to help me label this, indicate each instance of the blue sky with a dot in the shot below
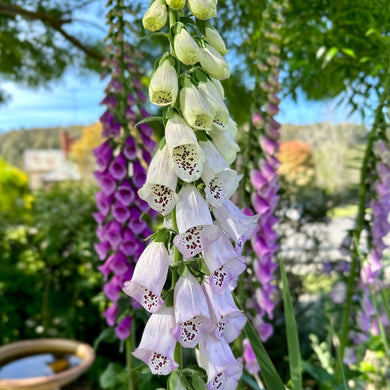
(75, 100)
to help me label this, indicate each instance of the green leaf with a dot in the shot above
(162, 235)
(294, 355)
(113, 376)
(150, 119)
(348, 52)
(163, 142)
(330, 54)
(197, 381)
(108, 335)
(268, 370)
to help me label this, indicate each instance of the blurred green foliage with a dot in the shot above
(47, 261)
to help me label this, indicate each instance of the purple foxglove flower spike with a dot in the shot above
(250, 359)
(160, 187)
(216, 357)
(122, 330)
(191, 312)
(149, 277)
(196, 228)
(187, 157)
(224, 312)
(157, 345)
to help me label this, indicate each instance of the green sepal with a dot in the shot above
(162, 143)
(201, 136)
(181, 269)
(202, 266)
(168, 298)
(200, 75)
(149, 119)
(162, 235)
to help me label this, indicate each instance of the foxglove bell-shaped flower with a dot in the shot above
(213, 37)
(187, 157)
(155, 17)
(223, 369)
(149, 277)
(221, 182)
(216, 104)
(191, 312)
(250, 359)
(157, 345)
(176, 4)
(234, 222)
(213, 63)
(224, 312)
(160, 187)
(218, 85)
(163, 88)
(186, 49)
(194, 108)
(226, 145)
(203, 9)
(223, 262)
(196, 228)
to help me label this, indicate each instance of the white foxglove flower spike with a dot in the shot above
(155, 17)
(195, 109)
(203, 9)
(176, 4)
(225, 143)
(157, 345)
(160, 187)
(213, 63)
(216, 357)
(221, 181)
(186, 49)
(216, 104)
(187, 157)
(164, 87)
(196, 228)
(213, 37)
(234, 222)
(191, 312)
(230, 320)
(149, 277)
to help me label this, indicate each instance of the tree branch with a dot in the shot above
(53, 22)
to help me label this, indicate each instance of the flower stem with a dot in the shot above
(361, 214)
(129, 357)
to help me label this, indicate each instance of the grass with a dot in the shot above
(349, 210)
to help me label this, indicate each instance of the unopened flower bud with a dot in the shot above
(274, 49)
(272, 98)
(163, 88)
(194, 108)
(273, 61)
(213, 37)
(186, 49)
(257, 120)
(203, 9)
(262, 67)
(176, 4)
(213, 63)
(155, 17)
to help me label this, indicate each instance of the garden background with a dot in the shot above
(334, 75)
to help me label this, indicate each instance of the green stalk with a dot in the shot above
(361, 215)
(129, 357)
